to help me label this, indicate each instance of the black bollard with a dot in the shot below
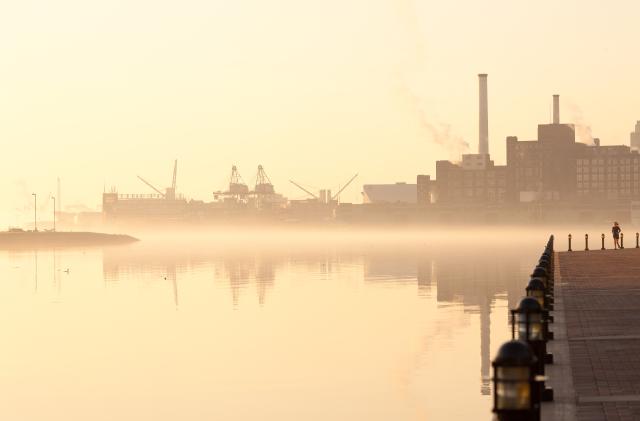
(569, 243)
(586, 242)
(602, 236)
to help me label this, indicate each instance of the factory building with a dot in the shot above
(544, 169)
(552, 168)
(476, 179)
(634, 140)
(557, 168)
(608, 172)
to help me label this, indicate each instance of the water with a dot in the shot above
(269, 327)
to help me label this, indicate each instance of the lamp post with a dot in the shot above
(548, 257)
(535, 289)
(35, 211)
(586, 242)
(602, 236)
(569, 243)
(542, 273)
(528, 325)
(515, 392)
(54, 213)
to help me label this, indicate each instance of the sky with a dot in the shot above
(97, 92)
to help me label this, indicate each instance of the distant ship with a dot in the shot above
(16, 237)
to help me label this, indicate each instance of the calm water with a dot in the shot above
(279, 327)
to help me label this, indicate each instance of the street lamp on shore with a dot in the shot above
(35, 211)
(515, 392)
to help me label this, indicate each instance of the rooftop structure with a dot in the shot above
(389, 193)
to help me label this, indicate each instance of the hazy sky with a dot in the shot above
(100, 91)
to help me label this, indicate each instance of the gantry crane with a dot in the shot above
(170, 192)
(324, 195)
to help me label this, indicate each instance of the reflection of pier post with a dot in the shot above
(426, 275)
(171, 275)
(485, 345)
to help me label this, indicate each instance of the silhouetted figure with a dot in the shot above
(615, 230)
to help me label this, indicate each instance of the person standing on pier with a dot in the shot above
(615, 230)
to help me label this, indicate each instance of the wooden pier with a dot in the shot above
(596, 374)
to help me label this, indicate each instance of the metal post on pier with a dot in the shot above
(621, 240)
(602, 236)
(569, 243)
(637, 240)
(586, 242)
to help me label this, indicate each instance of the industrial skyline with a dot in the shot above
(548, 169)
(113, 90)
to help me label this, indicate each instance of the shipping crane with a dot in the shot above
(170, 192)
(263, 184)
(152, 186)
(324, 196)
(337, 195)
(304, 190)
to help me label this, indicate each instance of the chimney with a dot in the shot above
(483, 141)
(556, 109)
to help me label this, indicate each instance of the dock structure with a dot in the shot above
(596, 374)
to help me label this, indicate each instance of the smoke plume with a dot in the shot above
(436, 132)
(583, 130)
(413, 69)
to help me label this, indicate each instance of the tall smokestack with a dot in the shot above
(556, 109)
(483, 141)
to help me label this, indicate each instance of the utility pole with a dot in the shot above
(35, 211)
(54, 213)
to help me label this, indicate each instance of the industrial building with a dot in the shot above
(475, 180)
(576, 179)
(552, 178)
(634, 137)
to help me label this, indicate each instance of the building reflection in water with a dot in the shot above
(474, 283)
(241, 271)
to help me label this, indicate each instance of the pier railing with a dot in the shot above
(519, 367)
(571, 246)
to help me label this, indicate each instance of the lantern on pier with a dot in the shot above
(543, 274)
(537, 290)
(528, 324)
(515, 392)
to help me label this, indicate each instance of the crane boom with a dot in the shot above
(175, 173)
(151, 185)
(303, 189)
(344, 187)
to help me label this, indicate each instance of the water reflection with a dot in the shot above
(474, 281)
(474, 284)
(390, 331)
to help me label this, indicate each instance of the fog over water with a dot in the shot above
(270, 325)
